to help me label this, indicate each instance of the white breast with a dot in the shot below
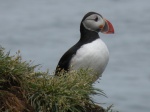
(94, 55)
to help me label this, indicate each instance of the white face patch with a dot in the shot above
(93, 22)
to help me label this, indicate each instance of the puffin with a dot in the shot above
(90, 52)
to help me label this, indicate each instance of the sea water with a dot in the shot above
(44, 29)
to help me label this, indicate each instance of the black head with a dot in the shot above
(95, 23)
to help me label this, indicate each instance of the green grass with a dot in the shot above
(22, 89)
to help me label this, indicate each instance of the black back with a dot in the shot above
(87, 36)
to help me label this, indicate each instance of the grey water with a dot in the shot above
(44, 29)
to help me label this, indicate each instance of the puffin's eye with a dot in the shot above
(96, 19)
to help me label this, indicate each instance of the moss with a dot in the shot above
(22, 89)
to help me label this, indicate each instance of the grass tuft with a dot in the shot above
(69, 92)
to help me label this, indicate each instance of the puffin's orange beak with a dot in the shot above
(107, 28)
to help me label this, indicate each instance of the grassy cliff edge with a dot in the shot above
(22, 89)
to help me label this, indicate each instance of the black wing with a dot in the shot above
(64, 62)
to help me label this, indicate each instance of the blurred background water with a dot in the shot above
(44, 29)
